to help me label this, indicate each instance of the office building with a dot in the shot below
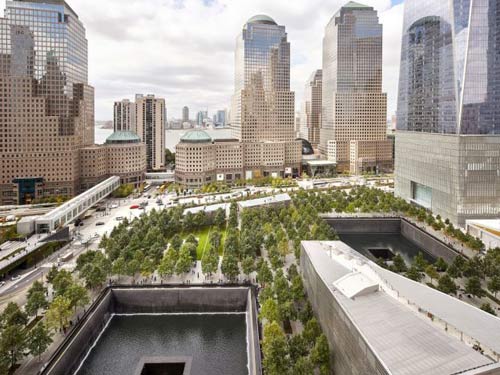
(221, 118)
(185, 114)
(150, 123)
(448, 118)
(354, 108)
(46, 104)
(380, 322)
(310, 121)
(124, 116)
(262, 116)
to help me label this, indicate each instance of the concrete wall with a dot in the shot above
(351, 354)
(154, 299)
(410, 231)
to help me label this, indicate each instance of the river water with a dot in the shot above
(172, 137)
(216, 342)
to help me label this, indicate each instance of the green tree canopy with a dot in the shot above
(39, 340)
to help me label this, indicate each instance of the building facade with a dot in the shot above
(124, 118)
(123, 155)
(150, 122)
(448, 119)
(46, 105)
(354, 108)
(310, 122)
(185, 114)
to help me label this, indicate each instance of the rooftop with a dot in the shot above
(122, 136)
(280, 198)
(263, 19)
(196, 136)
(207, 209)
(355, 5)
(393, 315)
(489, 225)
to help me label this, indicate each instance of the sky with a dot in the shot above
(183, 50)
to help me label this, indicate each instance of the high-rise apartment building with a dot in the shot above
(185, 114)
(46, 105)
(150, 123)
(124, 116)
(310, 122)
(354, 108)
(448, 119)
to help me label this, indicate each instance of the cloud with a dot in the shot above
(183, 50)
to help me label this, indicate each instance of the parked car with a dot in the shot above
(113, 206)
(134, 207)
(119, 218)
(99, 223)
(14, 278)
(2, 283)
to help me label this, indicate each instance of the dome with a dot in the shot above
(262, 18)
(196, 136)
(122, 136)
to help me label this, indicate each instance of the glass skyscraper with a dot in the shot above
(46, 105)
(354, 108)
(263, 107)
(448, 119)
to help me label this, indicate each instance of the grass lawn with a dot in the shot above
(203, 237)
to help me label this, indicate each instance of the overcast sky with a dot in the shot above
(183, 50)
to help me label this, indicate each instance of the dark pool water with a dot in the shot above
(398, 244)
(216, 342)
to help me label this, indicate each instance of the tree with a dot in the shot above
(229, 266)
(119, 267)
(447, 285)
(94, 276)
(59, 313)
(297, 288)
(264, 274)
(147, 267)
(274, 348)
(176, 242)
(133, 267)
(39, 340)
(269, 311)
(303, 366)
(487, 307)
(441, 265)
(233, 215)
(36, 300)
(248, 265)
(297, 347)
(431, 272)
(77, 295)
(399, 264)
(473, 286)
(494, 285)
(209, 261)
(312, 331)
(52, 274)
(13, 342)
(191, 248)
(320, 354)
(220, 218)
(167, 264)
(184, 262)
(13, 315)
(414, 274)
(62, 282)
(419, 262)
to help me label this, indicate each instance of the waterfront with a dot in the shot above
(172, 137)
(216, 342)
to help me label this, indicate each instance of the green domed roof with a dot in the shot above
(196, 136)
(121, 136)
(262, 18)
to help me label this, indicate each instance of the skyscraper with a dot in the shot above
(150, 122)
(221, 117)
(46, 105)
(185, 114)
(354, 108)
(263, 107)
(124, 116)
(310, 122)
(448, 119)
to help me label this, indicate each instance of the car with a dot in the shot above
(142, 208)
(144, 204)
(99, 223)
(134, 207)
(2, 283)
(14, 278)
(113, 206)
(160, 203)
(119, 218)
(100, 209)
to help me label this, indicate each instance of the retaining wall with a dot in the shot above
(155, 299)
(424, 240)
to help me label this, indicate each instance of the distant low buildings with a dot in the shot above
(487, 230)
